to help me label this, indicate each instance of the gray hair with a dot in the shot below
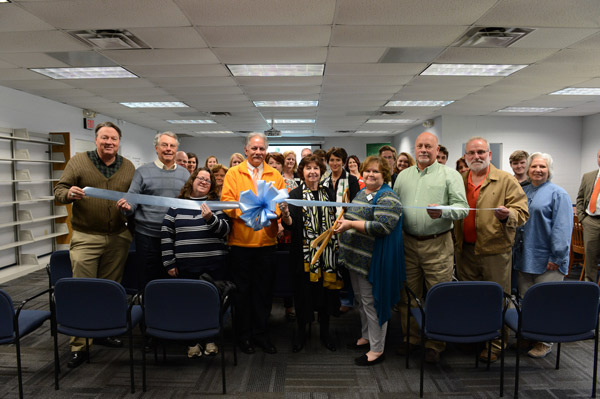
(256, 134)
(545, 157)
(487, 143)
(170, 134)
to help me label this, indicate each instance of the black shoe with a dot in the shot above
(111, 342)
(354, 345)
(267, 346)
(329, 344)
(77, 359)
(401, 349)
(364, 360)
(298, 346)
(290, 316)
(246, 347)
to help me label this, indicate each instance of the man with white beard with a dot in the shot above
(484, 239)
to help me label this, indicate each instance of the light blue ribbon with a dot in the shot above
(259, 209)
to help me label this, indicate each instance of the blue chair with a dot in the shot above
(185, 310)
(14, 325)
(93, 308)
(460, 312)
(565, 311)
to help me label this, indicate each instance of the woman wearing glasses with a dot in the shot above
(193, 241)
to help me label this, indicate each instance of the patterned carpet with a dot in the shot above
(313, 373)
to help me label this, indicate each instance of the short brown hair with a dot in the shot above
(186, 191)
(387, 148)
(517, 156)
(107, 124)
(337, 152)
(218, 167)
(384, 167)
(310, 159)
(276, 156)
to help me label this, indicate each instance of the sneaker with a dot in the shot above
(194, 351)
(539, 350)
(211, 349)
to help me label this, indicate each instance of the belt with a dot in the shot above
(430, 237)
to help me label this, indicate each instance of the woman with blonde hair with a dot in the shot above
(236, 159)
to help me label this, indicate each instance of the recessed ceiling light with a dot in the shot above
(373, 132)
(191, 121)
(269, 121)
(418, 103)
(277, 70)
(391, 121)
(471, 69)
(529, 109)
(85, 73)
(174, 104)
(216, 132)
(579, 91)
(286, 103)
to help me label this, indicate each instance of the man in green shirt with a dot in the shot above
(428, 246)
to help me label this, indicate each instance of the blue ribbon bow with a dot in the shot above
(259, 209)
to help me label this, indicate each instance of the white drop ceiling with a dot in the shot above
(191, 41)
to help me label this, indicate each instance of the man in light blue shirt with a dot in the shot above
(428, 246)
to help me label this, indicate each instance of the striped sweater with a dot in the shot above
(190, 243)
(356, 248)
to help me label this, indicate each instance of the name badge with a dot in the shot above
(369, 197)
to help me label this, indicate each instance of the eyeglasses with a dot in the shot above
(478, 152)
(203, 180)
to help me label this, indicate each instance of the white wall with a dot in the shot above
(204, 147)
(590, 143)
(558, 136)
(405, 142)
(40, 115)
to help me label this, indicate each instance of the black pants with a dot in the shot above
(253, 272)
(149, 259)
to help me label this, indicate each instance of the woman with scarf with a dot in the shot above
(371, 249)
(316, 287)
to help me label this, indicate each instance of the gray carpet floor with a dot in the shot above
(313, 373)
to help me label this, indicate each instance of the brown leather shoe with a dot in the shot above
(484, 356)
(432, 356)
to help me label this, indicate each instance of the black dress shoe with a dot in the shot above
(111, 342)
(297, 346)
(77, 359)
(329, 344)
(364, 360)
(267, 346)
(354, 345)
(246, 347)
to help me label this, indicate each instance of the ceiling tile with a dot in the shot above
(32, 60)
(166, 71)
(42, 41)
(170, 37)
(162, 56)
(258, 12)
(333, 69)
(266, 36)
(355, 54)
(108, 14)
(14, 18)
(272, 55)
(462, 55)
(395, 36)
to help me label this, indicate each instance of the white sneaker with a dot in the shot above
(211, 349)
(539, 350)
(194, 351)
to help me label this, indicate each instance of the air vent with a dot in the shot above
(219, 113)
(491, 37)
(244, 131)
(110, 39)
(345, 131)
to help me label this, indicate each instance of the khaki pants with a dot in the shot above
(591, 241)
(496, 268)
(428, 262)
(98, 256)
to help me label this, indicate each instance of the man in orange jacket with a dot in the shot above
(252, 253)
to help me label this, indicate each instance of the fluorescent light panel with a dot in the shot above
(269, 121)
(174, 104)
(191, 121)
(471, 69)
(277, 70)
(85, 73)
(391, 121)
(578, 91)
(415, 103)
(286, 103)
(529, 109)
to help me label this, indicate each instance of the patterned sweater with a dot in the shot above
(356, 248)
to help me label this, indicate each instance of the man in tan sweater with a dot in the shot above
(100, 241)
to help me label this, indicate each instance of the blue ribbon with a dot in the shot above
(259, 209)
